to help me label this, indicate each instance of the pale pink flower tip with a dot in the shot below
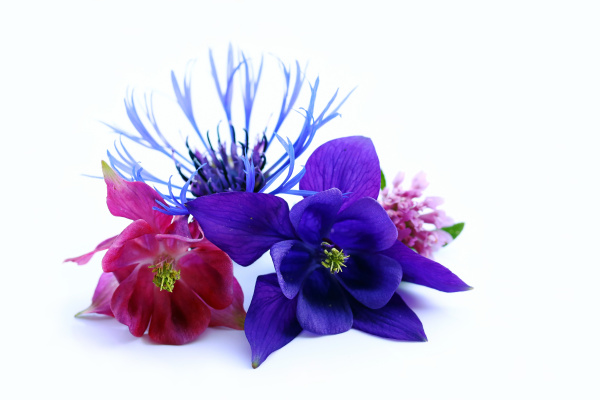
(417, 219)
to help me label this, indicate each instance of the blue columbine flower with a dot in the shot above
(235, 164)
(337, 258)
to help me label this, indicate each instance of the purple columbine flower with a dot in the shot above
(337, 258)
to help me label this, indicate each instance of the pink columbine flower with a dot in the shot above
(419, 222)
(161, 272)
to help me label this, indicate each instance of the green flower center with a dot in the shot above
(333, 259)
(164, 275)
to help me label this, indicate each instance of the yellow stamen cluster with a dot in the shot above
(165, 276)
(334, 259)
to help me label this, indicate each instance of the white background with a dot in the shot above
(496, 101)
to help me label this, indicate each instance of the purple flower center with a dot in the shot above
(224, 168)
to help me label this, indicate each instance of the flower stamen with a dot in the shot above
(165, 276)
(333, 258)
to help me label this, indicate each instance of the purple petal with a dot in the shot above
(314, 216)
(349, 164)
(364, 226)
(244, 225)
(423, 271)
(371, 278)
(322, 305)
(293, 262)
(102, 296)
(271, 320)
(394, 321)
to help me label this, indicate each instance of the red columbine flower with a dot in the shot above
(167, 275)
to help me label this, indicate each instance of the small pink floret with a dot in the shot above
(418, 220)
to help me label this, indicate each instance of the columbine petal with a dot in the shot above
(314, 216)
(244, 225)
(394, 321)
(134, 246)
(349, 164)
(133, 200)
(232, 316)
(364, 226)
(271, 320)
(208, 272)
(84, 259)
(293, 262)
(102, 295)
(423, 271)
(133, 300)
(322, 305)
(178, 317)
(371, 278)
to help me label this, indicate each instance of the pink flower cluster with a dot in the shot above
(418, 221)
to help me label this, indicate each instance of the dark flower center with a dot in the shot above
(333, 258)
(224, 167)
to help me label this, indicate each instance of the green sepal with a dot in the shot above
(383, 183)
(455, 229)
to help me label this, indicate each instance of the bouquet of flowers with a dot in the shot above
(339, 253)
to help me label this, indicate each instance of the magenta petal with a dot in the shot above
(84, 259)
(208, 271)
(423, 271)
(133, 200)
(349, 164)
(271, 321)
(102, 296)
(394, 321)
(233, 316)
(134, 246)
(179, 317)
(322, 305)
(244, 225)
(133, 300)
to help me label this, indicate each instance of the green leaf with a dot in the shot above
(455, 229)
(383, 184)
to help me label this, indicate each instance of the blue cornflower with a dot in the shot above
(233, 165)
(337, 259)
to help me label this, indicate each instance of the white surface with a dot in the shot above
(496, 101)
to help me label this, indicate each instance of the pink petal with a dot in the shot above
(419, 182)
(398, 179)
(135, 245)
(133, 200)
(84, 259)
(102, 296)
(175, 245)
(433, 201)
(133, 300)
(179, 317)
(232, 316)
(195, 230)
(209, 272)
